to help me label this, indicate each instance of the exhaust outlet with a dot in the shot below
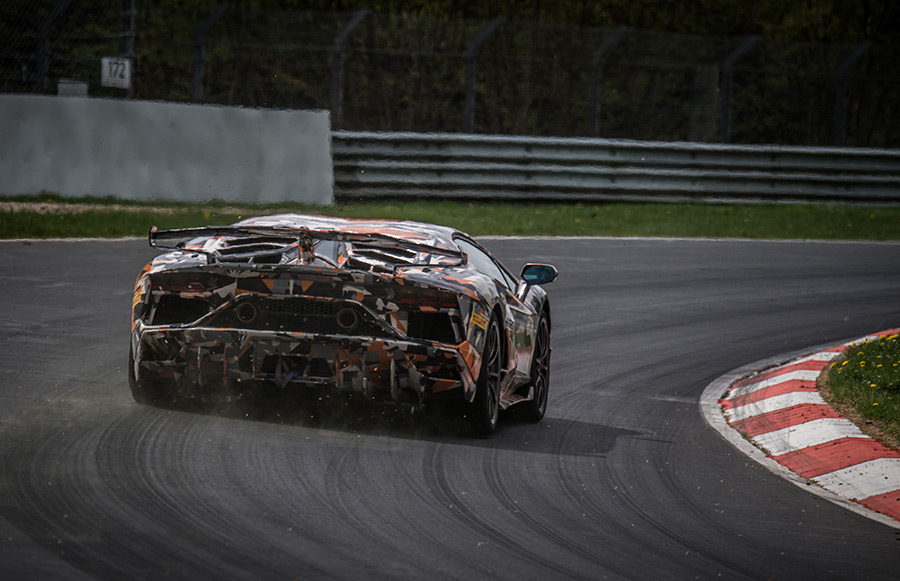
(246, 312)
(347, 319)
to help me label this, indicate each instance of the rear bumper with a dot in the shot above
(208, 362)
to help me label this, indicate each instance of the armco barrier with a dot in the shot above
(370, 165)
(147, 150)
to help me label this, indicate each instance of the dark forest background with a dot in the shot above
(803, 20)
(792, 72)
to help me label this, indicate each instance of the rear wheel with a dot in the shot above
(137, 390)
(485, 408)
(534, 409)
(147, 390)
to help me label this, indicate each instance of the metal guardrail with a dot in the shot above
(406, 165)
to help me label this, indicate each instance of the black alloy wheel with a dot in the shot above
(535, 408)
(486, 405)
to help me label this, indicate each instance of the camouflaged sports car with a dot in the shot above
(401, 311)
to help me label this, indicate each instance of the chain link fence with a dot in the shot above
(380, 72)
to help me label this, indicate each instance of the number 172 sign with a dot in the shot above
(116, 72)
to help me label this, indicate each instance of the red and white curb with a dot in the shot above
(780, 414)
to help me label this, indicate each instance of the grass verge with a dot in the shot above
(49, 215)
(864, 385)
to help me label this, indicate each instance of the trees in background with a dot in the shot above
(407, 66)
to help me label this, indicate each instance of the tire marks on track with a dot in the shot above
(543, 530)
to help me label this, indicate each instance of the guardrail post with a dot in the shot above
(597, 74)
(337, 68)
(198, 49)
(727, 67)
(840, 130)
(469, 113)
(44, 43)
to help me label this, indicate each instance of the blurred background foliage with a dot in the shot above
(804, 20)
(404, 67)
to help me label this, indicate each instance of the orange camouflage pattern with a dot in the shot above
(387, 309)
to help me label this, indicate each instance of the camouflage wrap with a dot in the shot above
(389, 310)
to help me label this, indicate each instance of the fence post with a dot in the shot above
(740, 51)
(840, 130)
(337, 68)
(597, 73)
(44, 43)
(198, 49)
(471, 50)
(128, 14)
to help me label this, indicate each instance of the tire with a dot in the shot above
(137, 393)
(146, 391)
(533, 410)
(485, 408)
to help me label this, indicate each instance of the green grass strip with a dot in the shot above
(50, 215)
(868, 380)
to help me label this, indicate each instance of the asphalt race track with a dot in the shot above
(623, 479)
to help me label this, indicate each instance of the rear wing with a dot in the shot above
(262, 240)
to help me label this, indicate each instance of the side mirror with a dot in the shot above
(539, 273)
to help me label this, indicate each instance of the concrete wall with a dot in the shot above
(143, 150)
